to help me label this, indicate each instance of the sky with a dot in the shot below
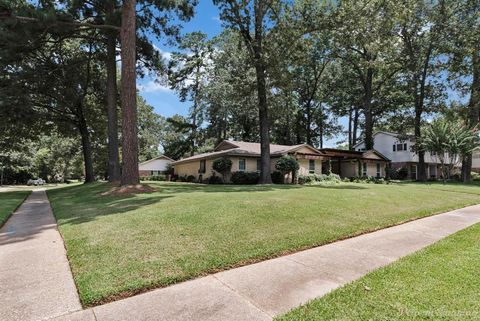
(163, 99)
(166, 102)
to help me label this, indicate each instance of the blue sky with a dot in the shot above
(165, 101)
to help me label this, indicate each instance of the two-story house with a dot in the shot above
(399, 149)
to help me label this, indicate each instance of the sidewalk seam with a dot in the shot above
(243, 297)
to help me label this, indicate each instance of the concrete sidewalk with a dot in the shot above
(263, 290)
(35, 278)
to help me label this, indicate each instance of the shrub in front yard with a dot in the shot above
(370, 180)
(475, 176)
(287, 164)
(214, 179)
(277, 177)
(191, 178)
(158, 178)
(315, 178)
(242, 178)
(223, 166)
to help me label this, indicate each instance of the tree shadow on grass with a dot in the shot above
(84, 203)
(171, 187)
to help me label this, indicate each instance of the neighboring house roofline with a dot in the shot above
(376, 152)
(380, 132)
(153, 159)
(225, 142)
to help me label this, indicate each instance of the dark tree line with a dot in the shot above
(281, 71)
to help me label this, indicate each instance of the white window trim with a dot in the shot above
(245, 162)
(311, 171)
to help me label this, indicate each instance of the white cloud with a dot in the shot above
(217, 19)
(153, 86)
(165, 54)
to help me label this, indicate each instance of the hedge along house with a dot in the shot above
(155, 166)
(245, 157)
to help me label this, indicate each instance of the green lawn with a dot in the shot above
(440, 282)
(118, 246)
(9, 201)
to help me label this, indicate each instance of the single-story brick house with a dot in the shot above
(154, 166)
(245, 156)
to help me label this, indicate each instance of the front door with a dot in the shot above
(413, 171)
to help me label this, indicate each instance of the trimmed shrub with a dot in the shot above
(242, 178)
(370, 180)
(214, 179)
(475, 176)
(287, 164)
(190, 179)
(277, 177)
(315, 178)
(157, 178)
(223, 166)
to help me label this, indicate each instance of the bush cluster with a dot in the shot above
(156, 178)
(368, 180)
(475, 176)
(214, 179)
(242, 178)
(185, 178)
(315, 178)
(397, 173)
(277, 177)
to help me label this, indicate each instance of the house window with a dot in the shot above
(379, 170)
(311, 166)
(202, 166)
(259, 164)
(394, 147)
(242, 164)
(364, 169)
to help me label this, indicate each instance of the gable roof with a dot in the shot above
(254, 148)
(238, 148)
(396, 135)
(153, 159)
(352, 154)
(368, 153)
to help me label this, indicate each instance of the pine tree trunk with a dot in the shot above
(421, 172)
(367, 109)
(308, 125)
(86, 145)
(260, 72)
(130, 174)
(355, 127)
(474, 112)
(265, 177)
(350, 119)
(113, 158)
